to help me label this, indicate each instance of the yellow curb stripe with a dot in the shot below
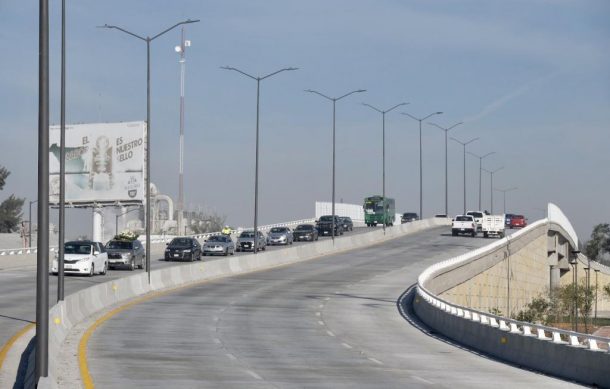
(7, 346)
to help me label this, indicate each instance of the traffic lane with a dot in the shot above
(286, 328)
(18, 287)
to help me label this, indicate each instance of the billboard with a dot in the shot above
(104, 163)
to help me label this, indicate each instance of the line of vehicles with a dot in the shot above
(475, 222)
(86, 257)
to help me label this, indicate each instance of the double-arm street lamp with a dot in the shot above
(383, 151)
(446, 130)
(421, 180)
(464, 144)
(334, 100)
(504, 191)
(148, 40)
(258, 88)
(480, 157)
(491, 185)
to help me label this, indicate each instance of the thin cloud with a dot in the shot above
(502, 101)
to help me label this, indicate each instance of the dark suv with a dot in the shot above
(408, 217)
(183, 249)
(348, 224)
(129, 254)
(325, 225)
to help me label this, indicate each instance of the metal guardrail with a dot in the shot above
(541, 332)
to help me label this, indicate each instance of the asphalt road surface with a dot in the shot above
(332, 322)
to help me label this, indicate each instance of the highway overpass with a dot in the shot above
(317, 315)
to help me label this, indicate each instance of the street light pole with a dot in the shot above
(258, 86)
(464, 144)
(421, 179)
(446, 130)
(62, 160)
(42, 257)
(181, 49)
(334, 100)
(383, 153)
(491, 185)
(504, 195)
(480, 157)
(148, 126)
(30, 224)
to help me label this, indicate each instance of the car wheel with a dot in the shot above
(105, 269)
(264, 248)
(132, 265)
(226, 252)
(91, 272)
(141, 263)
(453, 233)
(474, 234)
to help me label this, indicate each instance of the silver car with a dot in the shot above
(129, 254)
(219, 245)
(245, 242)
(280, 235)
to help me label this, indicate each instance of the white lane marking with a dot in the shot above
(330, 333)
(326, 298)
(377, 361)
(321, 306)
(320, 322)
(217, 341)
(318, 313)
(423, 380)
(346, 345)
(231, 356)
(216, 318)
(253, 374)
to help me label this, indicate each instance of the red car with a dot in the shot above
(518, 221)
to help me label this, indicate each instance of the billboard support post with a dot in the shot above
(62, 161)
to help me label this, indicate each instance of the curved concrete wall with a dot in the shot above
(441, 303)
(78, 306)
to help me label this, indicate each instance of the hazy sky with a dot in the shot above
(531, 78)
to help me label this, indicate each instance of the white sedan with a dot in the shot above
(83, 257)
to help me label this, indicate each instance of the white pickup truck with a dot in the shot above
(493, 225)
(464, 224)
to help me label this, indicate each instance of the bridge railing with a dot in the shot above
(532, 345)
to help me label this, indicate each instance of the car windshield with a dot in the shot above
(117, 244)
(77, 248)
(278, 229)
(180, 242)
(326, 219)
(304, 227)
(464, 218)
(517, 216)
(475, 214)
(247, 234)
(216, 238)
(409, 215)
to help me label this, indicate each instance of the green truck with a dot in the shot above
(378, 210)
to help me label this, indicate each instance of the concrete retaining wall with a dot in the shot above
(77, 307)
(454, 298)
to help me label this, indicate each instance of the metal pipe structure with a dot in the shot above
(148, 126)
(480, 157)
(491, 185)
(42, 257)
(62, 161)
(258, 86)
(421, 170)
(383, 151)
(446, 130)
(464, 144)
(504, 191)
(334, 100)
